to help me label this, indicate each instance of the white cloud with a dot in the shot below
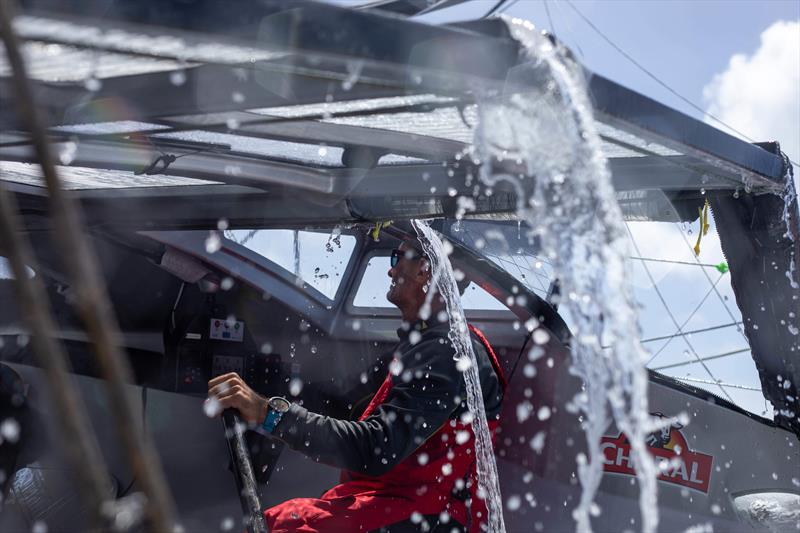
(759, 94)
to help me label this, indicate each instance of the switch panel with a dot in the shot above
(223, 364)
(226, 330)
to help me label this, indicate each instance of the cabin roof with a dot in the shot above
(296, 95)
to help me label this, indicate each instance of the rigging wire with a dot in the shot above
(549, 18)
(570, 30)
(494, 8)
(669, 312)
(672, 262)
(499, 8)
(719, 383)
(714, 286)
(654, 77)
(692, 332)
(709, 358)
(680, 331)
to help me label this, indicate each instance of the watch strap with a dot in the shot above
(273, 417)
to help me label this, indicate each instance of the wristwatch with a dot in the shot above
(276, 407)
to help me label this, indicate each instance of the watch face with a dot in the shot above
(279, 404)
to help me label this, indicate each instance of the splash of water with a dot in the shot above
(566, 195)
(791, 217)
(296, 249)
(444, 280)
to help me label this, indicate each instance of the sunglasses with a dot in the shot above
(397, 254)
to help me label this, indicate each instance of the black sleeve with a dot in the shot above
(423, 396)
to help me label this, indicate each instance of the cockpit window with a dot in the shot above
(318, 258)
(506, 244)
(374, 285)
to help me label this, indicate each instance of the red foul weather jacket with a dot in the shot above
(410, 453)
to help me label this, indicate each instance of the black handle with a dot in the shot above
(243, 472)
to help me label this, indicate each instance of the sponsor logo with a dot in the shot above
(679, 464)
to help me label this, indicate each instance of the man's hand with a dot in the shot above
(229, 390)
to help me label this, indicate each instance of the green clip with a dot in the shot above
(722, 267)
(376, 231)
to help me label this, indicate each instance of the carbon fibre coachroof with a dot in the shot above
(81, 178)
(308, 99)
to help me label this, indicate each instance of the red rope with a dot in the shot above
(492, 356)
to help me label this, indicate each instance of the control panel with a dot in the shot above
(223, 364)
(213, 346)
(226, 330)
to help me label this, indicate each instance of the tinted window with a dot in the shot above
(318, 258)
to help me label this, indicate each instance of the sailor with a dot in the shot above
(409, 459)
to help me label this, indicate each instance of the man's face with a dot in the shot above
(409, 275)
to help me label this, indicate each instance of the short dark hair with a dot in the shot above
(414, 243)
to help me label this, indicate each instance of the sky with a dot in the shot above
(737, 60)
(696, 47)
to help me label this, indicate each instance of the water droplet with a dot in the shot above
(463, 363)
(66, 154)
(93, 84)
(543, 413)
(535, 353)
(211, 407)
(177, 77)
(9, 430)
(396, 367)
(537, 442)
(462, 437)
(295, 386)
(213, 242)
(540, 336)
